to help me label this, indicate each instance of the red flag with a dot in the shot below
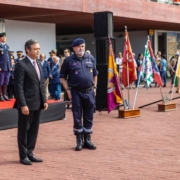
(156, 74)
(129, 64)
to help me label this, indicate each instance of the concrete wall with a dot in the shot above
(18, 32)
(138, 40)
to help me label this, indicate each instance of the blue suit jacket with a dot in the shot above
(46, 69)
(56, 74)
(5, 58)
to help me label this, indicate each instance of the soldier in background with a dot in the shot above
(51, 64)
(19, 56)
(12, 54)
(10, 89)
(5, 67)
(50, 60)
(66, 98)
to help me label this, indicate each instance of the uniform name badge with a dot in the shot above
(91, 70)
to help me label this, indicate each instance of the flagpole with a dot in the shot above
(173, 88)
(161, 91)
(127, 69)
(120, 84)
(137, 88)
(153, 77)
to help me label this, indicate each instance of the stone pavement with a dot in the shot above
(143, 148)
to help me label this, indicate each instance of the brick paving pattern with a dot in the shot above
(143, 148)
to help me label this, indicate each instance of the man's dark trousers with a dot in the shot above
(27, 125)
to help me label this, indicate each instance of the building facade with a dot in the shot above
(57, 23)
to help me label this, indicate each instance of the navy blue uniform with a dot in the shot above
(80, 73)
(5, 64)
(10, 89)
(17, 60)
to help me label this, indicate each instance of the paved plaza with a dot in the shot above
(143, 148)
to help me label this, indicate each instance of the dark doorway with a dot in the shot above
(162, 42)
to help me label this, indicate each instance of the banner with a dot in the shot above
(114, 97)
(129, 65)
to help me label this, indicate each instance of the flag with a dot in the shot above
(147, 71)
(156, 73)
(114, 97)
(128, 62)
(178, 68)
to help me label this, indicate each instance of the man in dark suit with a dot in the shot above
(30, 99)
(46, 72)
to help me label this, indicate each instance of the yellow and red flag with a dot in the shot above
(178, 68)
(129, 64)
(114, 97)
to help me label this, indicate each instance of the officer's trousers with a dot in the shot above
(83, 105)
(4, 78)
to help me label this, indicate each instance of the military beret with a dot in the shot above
(19, 52)
(77, 42)
(2, 34)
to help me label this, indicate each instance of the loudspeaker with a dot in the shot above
(102, 50)
(101, 92)
(103, 24)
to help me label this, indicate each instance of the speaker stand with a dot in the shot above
(163, 107)
(129, 113)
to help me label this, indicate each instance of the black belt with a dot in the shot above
(83, 90)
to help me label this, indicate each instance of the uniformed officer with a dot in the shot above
(5, 67)
(81, 88)
(12, 54)
(19, 56)
(51, 64)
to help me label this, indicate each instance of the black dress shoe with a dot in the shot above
(34, 159)
(25, 161)
(6, 98)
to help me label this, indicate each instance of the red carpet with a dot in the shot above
(10, 104)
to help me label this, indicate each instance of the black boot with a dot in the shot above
(4, 93)
(87, 142)
(79, 142)
(1, 97)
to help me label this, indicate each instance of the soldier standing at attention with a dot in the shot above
(19, 56)
(81, 89)
(5, 67)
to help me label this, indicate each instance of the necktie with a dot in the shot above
(37, 69)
